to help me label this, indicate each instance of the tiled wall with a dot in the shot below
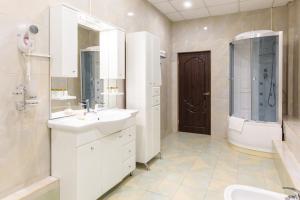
(293, 58)
(188, 36)
(24, 136)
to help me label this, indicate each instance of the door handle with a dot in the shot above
(206, 94)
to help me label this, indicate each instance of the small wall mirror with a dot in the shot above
(100, 79)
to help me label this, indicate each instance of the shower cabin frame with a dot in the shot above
(248, 133)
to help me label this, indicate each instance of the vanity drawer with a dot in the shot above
(155, 91)
(155, 100)
(129, 166)
(128, 135)
(128, 150)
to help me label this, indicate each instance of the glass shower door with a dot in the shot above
(240, 71)
(264, 74)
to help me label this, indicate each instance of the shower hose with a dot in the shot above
(272, 90)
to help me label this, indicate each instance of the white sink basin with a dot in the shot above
(241, 192)
(108, 121)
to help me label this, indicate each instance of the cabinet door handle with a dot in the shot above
(92, 148)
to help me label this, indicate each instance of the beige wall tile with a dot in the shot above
(24, 136)
(293, 58)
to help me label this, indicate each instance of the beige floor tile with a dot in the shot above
(196, 167)
(196, 181)
(189, 193)
(175, 177)
(214, 195)
(143, 181)
(125, 194)
(220, 184)
(225, 174)
(166, 188)
(153, 196)
(229, 166)
(201, 164)
(251, 179)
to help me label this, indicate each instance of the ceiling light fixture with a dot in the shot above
(187, 4)
(130, 14)
(205, 28)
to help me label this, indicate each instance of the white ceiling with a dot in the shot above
(175, 10)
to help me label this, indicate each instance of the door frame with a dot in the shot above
(178, 86)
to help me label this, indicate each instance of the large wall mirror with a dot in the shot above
(97, 80)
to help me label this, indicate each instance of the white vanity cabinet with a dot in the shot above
(63, 41)
(88, 173)
(111, 154)
(89, 163)
(112, 54)
(118, 157)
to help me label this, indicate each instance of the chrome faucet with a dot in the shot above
(86, 105)
(295, 196)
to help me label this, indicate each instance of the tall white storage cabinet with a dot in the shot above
(143, 81)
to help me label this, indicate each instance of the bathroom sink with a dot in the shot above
(108, 121)
(241, 192)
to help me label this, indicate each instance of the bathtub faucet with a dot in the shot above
(295, 196)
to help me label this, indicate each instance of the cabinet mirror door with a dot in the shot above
(88, 63)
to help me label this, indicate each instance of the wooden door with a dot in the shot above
(194, 92)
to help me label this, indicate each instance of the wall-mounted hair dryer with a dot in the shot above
(26, 42)
(26, 45)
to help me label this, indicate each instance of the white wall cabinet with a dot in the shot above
(90, 163)
(63, 41)
(143, 81)
(64, 46)
(112, 54)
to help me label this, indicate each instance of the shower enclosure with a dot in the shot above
(91, 84)
(255, 90)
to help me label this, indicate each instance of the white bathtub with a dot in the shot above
(256, 136)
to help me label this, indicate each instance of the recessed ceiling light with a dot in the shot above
(205, 28)
(187, 4)
(130, 14)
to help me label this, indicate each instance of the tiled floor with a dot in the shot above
(196, 167)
